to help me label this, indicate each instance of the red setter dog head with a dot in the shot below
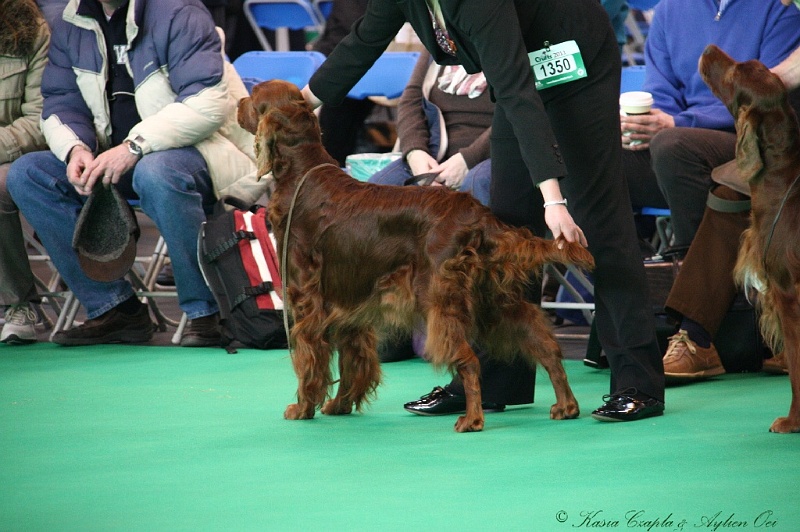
(765, 122)
(278, 116)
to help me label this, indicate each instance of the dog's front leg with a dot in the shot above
(311, 355)
(791, 350)
(310, 361)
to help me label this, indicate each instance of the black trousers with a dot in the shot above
(585, 118)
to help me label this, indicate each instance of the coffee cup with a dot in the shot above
(635, 103)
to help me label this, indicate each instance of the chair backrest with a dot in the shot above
(295, 67)
(632, 78)
(324, 7)
(281, 15)
(388, 76)
(642, 5)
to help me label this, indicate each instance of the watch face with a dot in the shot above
(134, 148)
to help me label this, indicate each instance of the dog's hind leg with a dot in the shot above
(540, 346)
(789, 313)
(446, 344)
(359, 371)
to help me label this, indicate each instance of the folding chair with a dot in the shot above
(632, 78)
(295, 67)
(50, 288)
(388, 77)
(662, 238)
(324, 7)
(281, 16)
(637, 25)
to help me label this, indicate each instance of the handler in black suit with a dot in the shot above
(556, 127)
(341, 124)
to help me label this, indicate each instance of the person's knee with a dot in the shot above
(15, 179)
(665, 143)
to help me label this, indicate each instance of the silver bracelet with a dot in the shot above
(556, 202)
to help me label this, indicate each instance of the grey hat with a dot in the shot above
(105, 235)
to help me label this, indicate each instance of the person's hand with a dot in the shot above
(108, 168)
(556, 216)
(420, 162)
(79, 159)
(309, 97)
(638, 130)
(560, 223)
(451, 172)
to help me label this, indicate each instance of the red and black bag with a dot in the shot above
(236, 251)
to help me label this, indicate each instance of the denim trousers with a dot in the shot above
(476, 182)
(174, 189)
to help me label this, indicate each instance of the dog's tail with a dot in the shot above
(529, 253)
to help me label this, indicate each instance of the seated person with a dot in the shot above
(443, 125)
(153, 113)
(24, 39)
(703, 292)
(670, 152)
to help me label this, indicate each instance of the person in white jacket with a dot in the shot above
(24, 39)
(137, 93)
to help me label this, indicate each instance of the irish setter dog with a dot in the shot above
(768, 158)
(364, 259)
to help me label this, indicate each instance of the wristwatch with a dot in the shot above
(134, 148)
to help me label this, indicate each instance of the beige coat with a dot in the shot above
(20, 95)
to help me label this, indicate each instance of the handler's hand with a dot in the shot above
(309, 97)
(560, 222)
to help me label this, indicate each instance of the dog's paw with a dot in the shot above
(294, 411)
(336, 407)
(784, 425)
(568, 411)
(469, 425)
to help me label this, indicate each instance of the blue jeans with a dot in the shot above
(174, 188)
(476, 182)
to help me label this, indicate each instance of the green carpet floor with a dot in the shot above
(159, 438)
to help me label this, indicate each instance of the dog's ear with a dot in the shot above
(247, 115)
(748, 152)
(265, 145)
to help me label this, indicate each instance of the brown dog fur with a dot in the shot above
(768, 157)
(364, 258)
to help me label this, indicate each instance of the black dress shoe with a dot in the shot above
(628, 406)
(440, 402)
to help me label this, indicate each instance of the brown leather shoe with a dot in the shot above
(202, 332)
(686, 361)
(113, 327)
(775, 365)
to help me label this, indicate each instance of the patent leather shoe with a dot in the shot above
(628, 406)
(441, 402)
